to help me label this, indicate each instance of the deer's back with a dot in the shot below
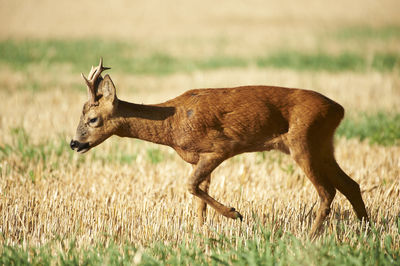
(241, 119)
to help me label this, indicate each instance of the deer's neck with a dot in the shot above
(147, 122)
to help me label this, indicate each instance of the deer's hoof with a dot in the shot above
(235, 214)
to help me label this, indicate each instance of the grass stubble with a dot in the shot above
(128, 194)
(65, 199)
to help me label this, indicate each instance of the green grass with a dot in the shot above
(385, 61)
(127, 57)
(379, 128)
(155, 156)
(265, 248)
(318, 61)
(362, 32)
(117, 154)
(46, 53)
(27, 153)
(56, 153)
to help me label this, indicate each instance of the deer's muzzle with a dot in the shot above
(80, 147)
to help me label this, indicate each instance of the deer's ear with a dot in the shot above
(107, 89)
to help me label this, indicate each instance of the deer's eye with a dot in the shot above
(93, 120)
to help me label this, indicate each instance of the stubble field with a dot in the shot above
(125, 201)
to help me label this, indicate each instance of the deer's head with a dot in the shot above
(97, 121)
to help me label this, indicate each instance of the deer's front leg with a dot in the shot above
(202, 205)
(201, 172)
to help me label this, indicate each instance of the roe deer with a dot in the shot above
(207, 126)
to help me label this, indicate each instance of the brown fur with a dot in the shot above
(208, 126)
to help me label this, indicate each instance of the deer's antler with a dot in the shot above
(94, 74)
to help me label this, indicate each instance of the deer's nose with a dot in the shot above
(73, 144)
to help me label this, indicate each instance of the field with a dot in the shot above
(125, 202)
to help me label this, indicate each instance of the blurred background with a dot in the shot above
(158, 49)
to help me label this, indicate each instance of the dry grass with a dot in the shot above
(142, 202)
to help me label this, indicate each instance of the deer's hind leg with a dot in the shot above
(348, 187)
(316, 158)
(309, 161)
